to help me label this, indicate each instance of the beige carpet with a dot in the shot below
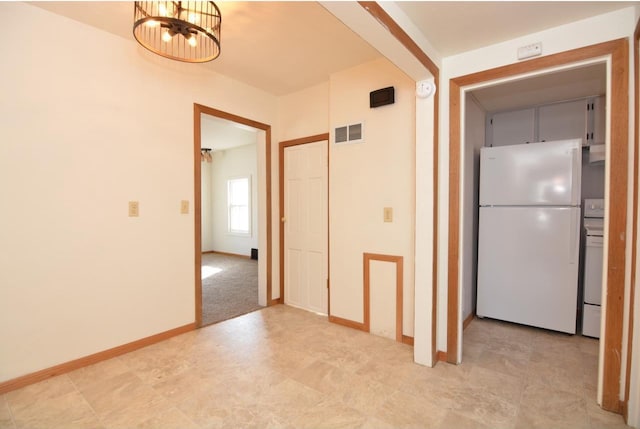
(229, 287)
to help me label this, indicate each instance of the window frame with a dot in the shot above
(230, 206)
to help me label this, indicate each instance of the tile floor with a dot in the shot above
(286, 368)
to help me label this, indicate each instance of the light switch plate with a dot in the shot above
(184, 207)
(134, 209)
(388, 214)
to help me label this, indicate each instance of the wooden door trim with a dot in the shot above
(634, 217)
(281, 147)
(199, 109)
(398, 260)
(618, 51)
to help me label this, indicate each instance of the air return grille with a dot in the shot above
(353, 133)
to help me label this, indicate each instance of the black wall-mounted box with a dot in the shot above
(382, 97)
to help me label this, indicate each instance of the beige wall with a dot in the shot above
(304, 113)
(364, 178)
(230, 164)
(88, 122)
(474, 129)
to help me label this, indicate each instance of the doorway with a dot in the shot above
(304, 231)
(616, 54)
(263, 213)
(229, 213)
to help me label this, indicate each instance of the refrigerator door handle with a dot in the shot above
(574, 237)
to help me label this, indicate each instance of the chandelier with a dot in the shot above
(180, 30)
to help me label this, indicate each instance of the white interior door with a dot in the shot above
(305, 226)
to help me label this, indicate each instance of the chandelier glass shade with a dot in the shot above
(180, 30)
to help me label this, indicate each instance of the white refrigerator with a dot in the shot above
(529, 234)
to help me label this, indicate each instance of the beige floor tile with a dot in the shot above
(471, 351)
(289, 396)
(453, 420)
(213, 410)
(323, 377)
(477, 403)
(364, 395)
(6, 421)
(403, 410)
(68, 411)
(124, 401)
(169, 419)
(329, 414)
(287, 360)
(601, 419)
(544, 407)
(286, 368)
(390, 375)
(184, 385)
(133, 417)
(156, 363)
(504, 386)
(98, 373)
(590, 346)
(39, 392)
(439, 386)
(514, 365)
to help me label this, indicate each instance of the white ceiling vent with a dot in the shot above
(353, 133)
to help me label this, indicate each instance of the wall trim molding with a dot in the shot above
(348, 323)
(442, 356)
(408, 340)
(634, 220)
(468, 320)
(398, 260)
(215, 252)
(34, 377)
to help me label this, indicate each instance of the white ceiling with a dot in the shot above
(548, 88)
(279, 47)
(453, 27)
(219, 134)
(283, 47)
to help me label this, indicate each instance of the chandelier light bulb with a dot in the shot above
(192, 41)
(166, 36)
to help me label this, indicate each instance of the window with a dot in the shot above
(239, 205)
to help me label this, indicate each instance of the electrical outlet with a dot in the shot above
(184, 207)
(134, 209)
(388, 214)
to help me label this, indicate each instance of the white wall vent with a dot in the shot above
(353, 133)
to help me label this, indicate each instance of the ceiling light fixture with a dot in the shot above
(180, 30)
(205, 155)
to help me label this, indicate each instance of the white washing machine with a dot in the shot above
(594, 227)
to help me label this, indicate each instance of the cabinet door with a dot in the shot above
(562, 121)
(598, 120)
(515, 127)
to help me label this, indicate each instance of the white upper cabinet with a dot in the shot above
(514, 127)
(561, 121)
(583, 119)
